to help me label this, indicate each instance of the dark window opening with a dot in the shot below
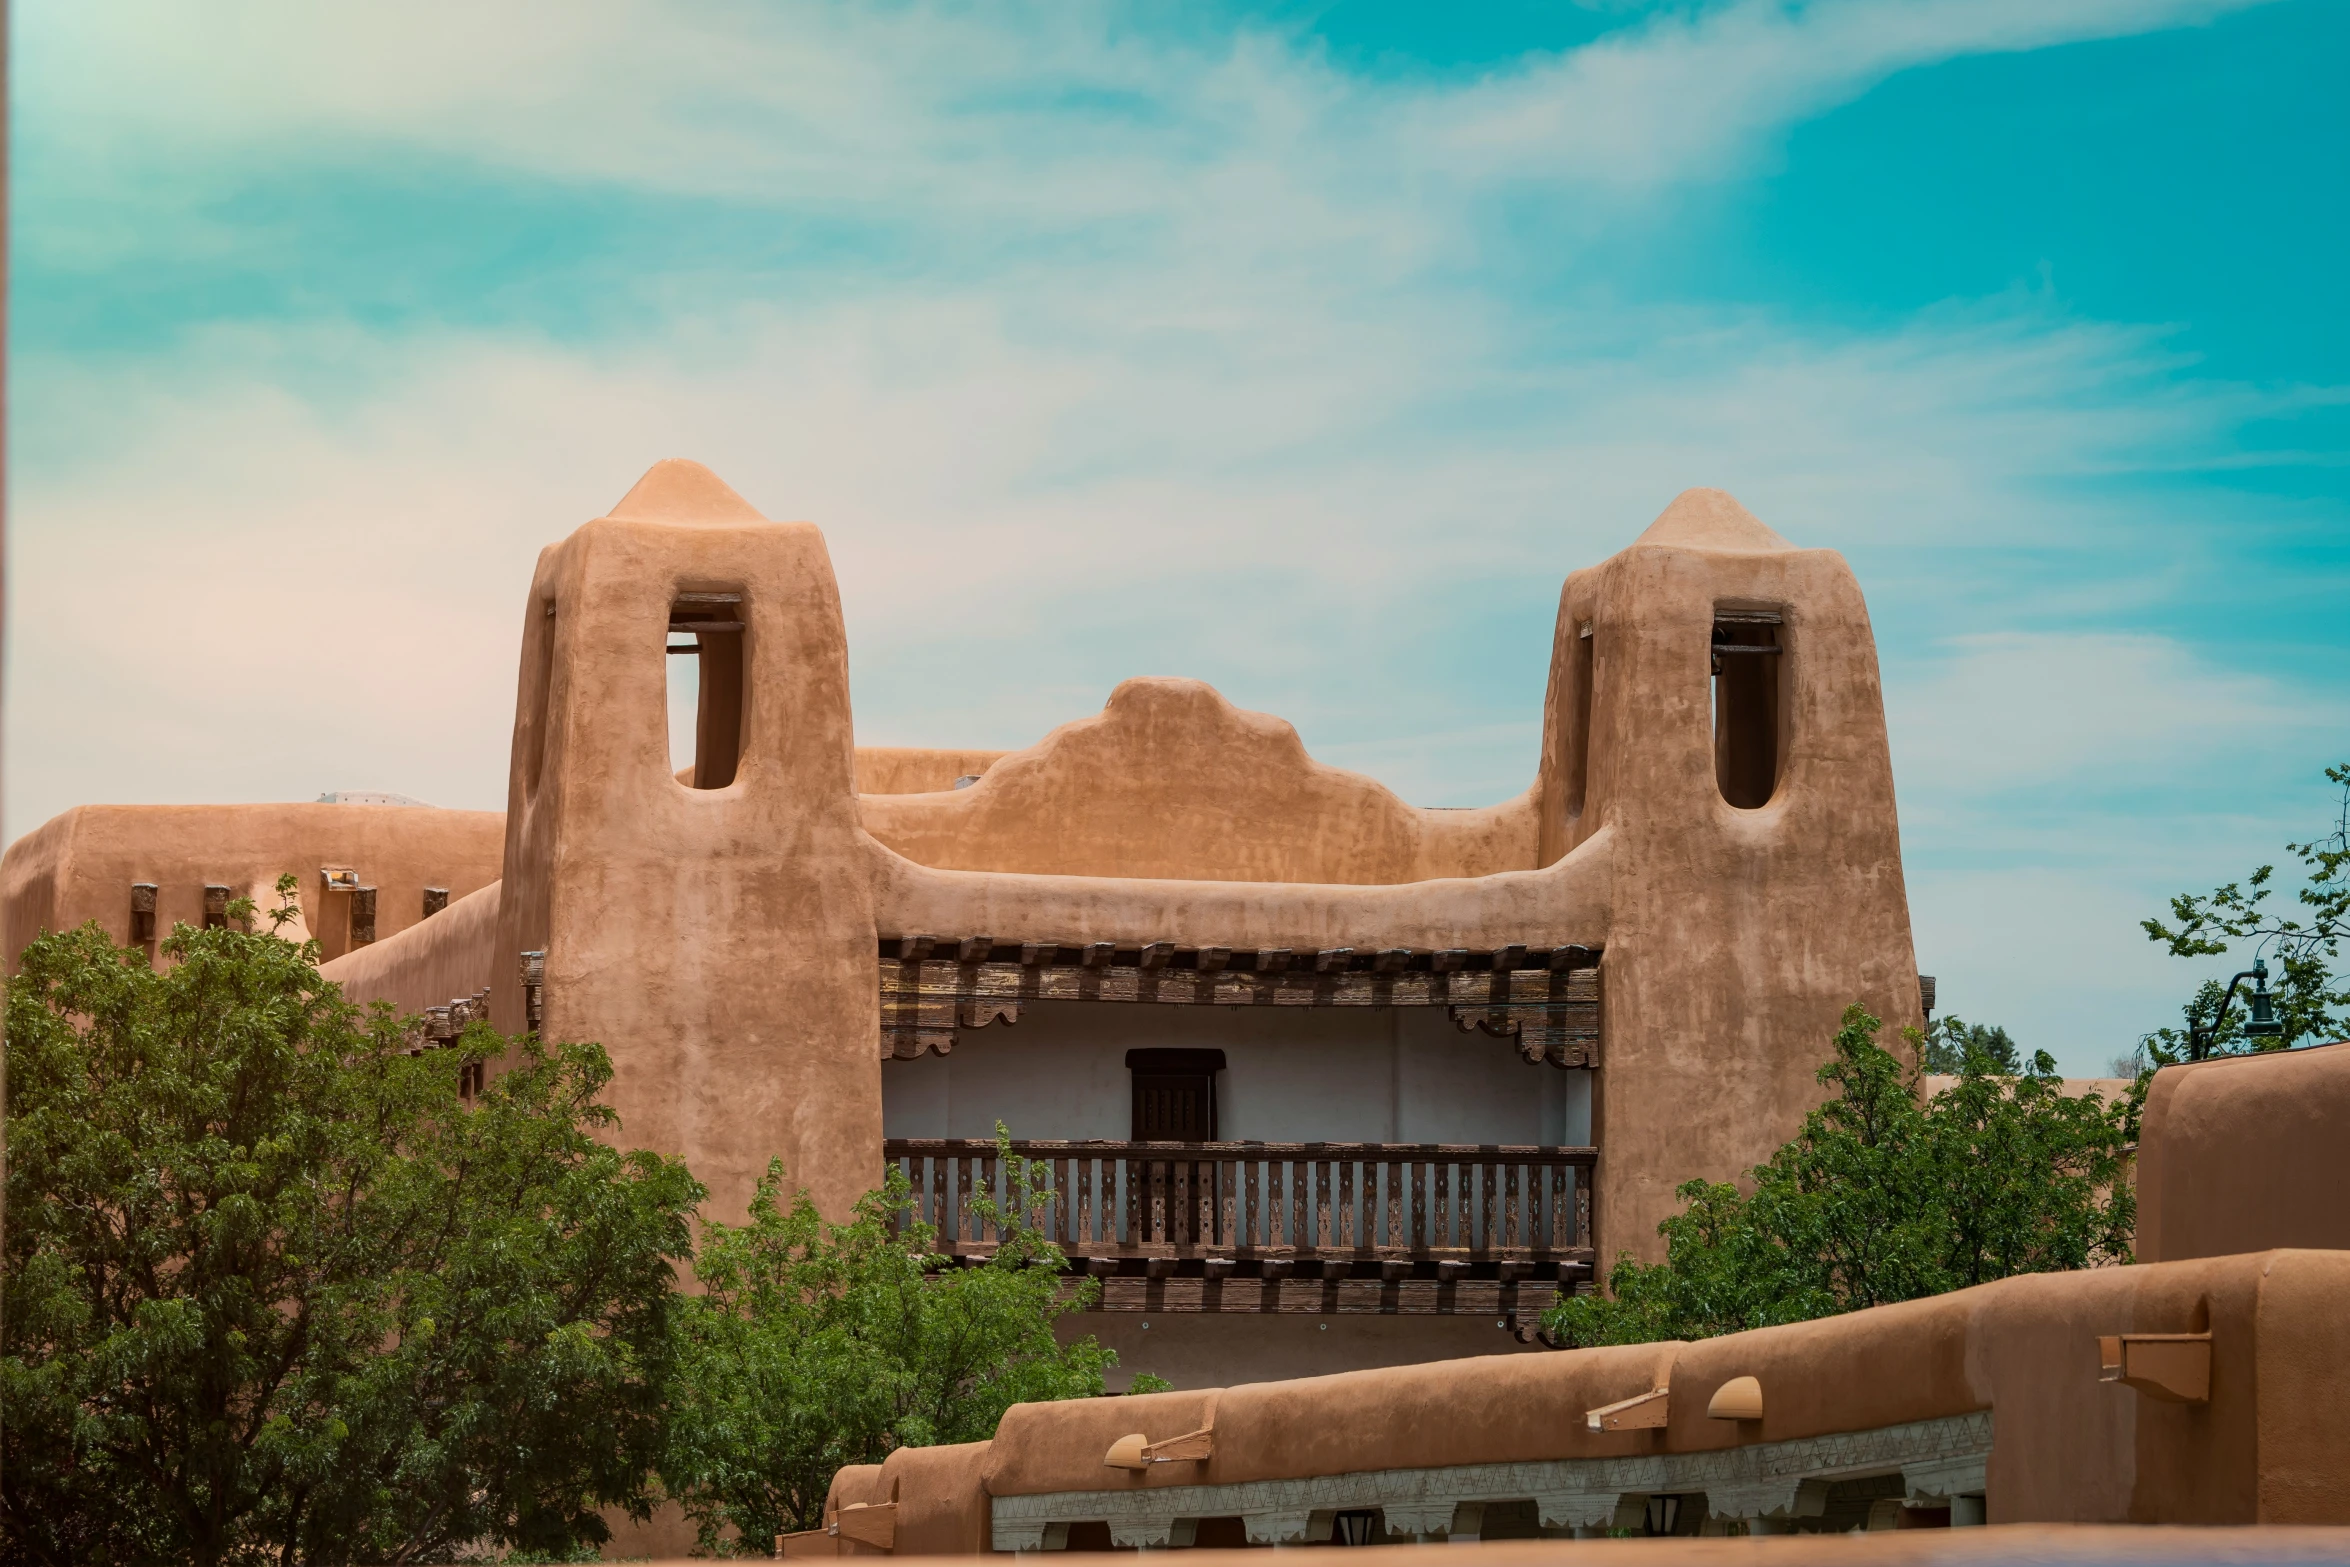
(1665, 1516)
(435, 900)
(1220, 1534)
(1849, 1505)
(215, 906)
(469, 1081)
(1519, 1520)
(1748, 666)
(542, 682)
(1175, 1094)
(706, 677)
(1090, 1534)
(143, 917)
(1579, 773)
(1356, 1526)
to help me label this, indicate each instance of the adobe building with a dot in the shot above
(1324, 1083)
(1322, 1079)
(2209, 1383)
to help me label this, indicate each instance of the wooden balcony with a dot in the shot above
(1338, 1227)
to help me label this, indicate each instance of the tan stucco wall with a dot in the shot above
(2246, 1153)
(1217, 1349)
(908, 769)
(719, 942)
(1171, 781)
(80, 865)
(2272, 1445)
(455, 953)
(1735, 937)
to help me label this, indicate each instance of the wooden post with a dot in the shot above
(1252, 1232)
(1465, 1231)
(1322, 1205)
(1419, 1235)
(1226, 1176)
(1395, 1230)
(1346, 1204)
(1064, 1215)
(1489, 1179)
(962, 1198)
(1300, 1238)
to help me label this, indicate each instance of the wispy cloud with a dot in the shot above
(1698, 94)
(1124, 346)
(1001, 122)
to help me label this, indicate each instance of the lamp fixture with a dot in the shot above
(2262, 1024)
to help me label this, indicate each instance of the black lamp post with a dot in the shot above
(2262, 1024)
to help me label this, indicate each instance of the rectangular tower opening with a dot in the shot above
(1579, 769)
(707, 692)
(1748, 665)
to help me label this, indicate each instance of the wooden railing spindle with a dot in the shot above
(1328, 1201)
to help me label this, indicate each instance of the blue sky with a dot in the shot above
(1303, 349)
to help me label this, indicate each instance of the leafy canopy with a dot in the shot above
(814, 1346)
(2311, 1003)
(274, 1290)
(1945, 1046)
(1881, 1198)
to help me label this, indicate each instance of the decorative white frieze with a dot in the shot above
(1937, 1459)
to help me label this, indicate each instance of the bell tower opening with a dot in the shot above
(707, 694)
(1579, 768)
(1748, 663)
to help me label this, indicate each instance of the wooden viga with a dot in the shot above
(1544, 1000)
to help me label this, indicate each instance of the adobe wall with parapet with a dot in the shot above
(2246, 1153)
(1172, 782)
(2020, 1393)
(82, 865)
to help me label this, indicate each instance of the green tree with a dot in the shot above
(1947, 1046)
(816, 1345)
(275, 1290)
(2311, 1003)
(1881, 1198)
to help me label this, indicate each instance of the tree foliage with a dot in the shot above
(2312, 1004)
(1946, 1045)
(816, 1345)
(275, 1290)
(1881, 1198)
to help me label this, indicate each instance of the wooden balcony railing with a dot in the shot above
(1275, 1210)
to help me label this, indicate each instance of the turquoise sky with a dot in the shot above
(1302, 349)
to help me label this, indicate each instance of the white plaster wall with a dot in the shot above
(1338, 1074)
